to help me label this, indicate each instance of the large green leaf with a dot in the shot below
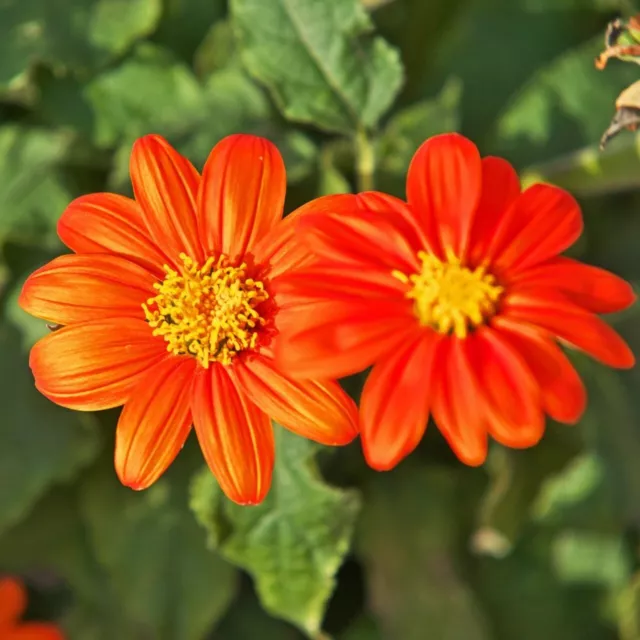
(78, 34)
(41, 443)
(32, 195)
(318, 60)
(407, 540)
(155, 553)
(294, 542)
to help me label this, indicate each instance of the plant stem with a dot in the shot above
(366, 162)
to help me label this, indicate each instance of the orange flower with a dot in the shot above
(13, 602)
(168, 307)
(457, 298)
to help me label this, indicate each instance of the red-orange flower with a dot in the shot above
(169, 308)
(457, 298)
(13, 603)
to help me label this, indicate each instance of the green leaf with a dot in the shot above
(41, 442)
(590, 171)
(319, 60)
(364, 628)
(184, 24)
(54, 538)
(610, 428)
(155, 554)
(564, 106)
(408, 129)
(526, 599)
(294, 542)
(592, 558)
(32, 194)
(75, 34)
(516, 479)
(407, 541)
(149, 92)
(629, 610)
(331, 179)
(247, 619)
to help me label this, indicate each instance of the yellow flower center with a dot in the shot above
(209, 312)
(450, 297)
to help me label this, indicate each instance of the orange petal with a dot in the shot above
(568, 322)
(242, 193)
(563, 394)
(80, 288)
(343, 282)
(400, 213)
(282, 249)
(592, 288)
(328, 339)
(235, 436)
(542, 223)
(365, 238)
(34, 631)
(95, 365)
(155, 422)
(500, 189)
(109, 223)
(511, 390)
(315, 409)
(444, 183)
(166, 186)
(395, 402)
(13, 601)
(458, 406)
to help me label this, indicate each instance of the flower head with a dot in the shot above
(458, 298)
(168, 307)
(13, 603)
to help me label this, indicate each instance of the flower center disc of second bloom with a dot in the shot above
(450, 297)
(209, 312)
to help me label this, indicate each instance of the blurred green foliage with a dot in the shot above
(542, 543)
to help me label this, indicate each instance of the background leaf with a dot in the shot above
(293, 543)
(321, 67)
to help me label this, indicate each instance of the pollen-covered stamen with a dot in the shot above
(209, 312)
(449, 296)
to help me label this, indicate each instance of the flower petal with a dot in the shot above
(236, 436)
(395, 402)
(582, 330)
(542, 223)
(500, 189)
(592, 288)
(444, 183)
(166, 186)
(364, 238)
(563, 394)
(242, 193)
(281, 248)
(95, 365)
(316, 409)
(109, 223)
(34, 631)
(340, 282)
(458, 406)
(402, 215)
(511, 390)
(79, 288)
(155, 422)
(327, 339)
(13, 601)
